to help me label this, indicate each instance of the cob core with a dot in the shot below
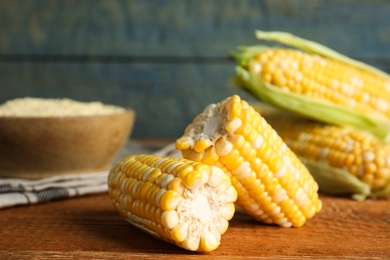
(273, 185)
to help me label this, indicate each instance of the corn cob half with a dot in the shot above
(343, 160)
(273, 186)
(180, 201)
(317, 82)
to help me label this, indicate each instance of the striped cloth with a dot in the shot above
(17, 192)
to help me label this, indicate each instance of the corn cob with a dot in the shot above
(273, 186)
(317, 82)
(180, 201)
(342, 160)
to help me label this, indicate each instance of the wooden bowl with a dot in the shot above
(37, 147)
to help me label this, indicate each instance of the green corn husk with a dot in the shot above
(321, 110)
(336, 181)
(331, 180)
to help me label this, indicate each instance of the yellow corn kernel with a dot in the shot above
(211, 155)
(177, 200)
(202, 145)
(256, 159)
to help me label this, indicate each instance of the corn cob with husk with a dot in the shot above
(312, 80)
(272, 184)
(179, 201)
(342, 160)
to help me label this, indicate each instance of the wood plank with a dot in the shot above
(89, 227)
(186, 28)
(111, 51)
(166, 96)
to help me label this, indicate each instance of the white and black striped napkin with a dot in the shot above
(15, 192)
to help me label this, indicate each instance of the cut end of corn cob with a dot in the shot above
(342, 160)
(273, 186)
(180, 201)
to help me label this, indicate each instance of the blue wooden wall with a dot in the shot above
(166, 59)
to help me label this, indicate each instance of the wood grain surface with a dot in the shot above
(168, 59)
(90, 228)
(165, 96)
(186, 28)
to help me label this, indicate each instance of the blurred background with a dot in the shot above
(166, 59)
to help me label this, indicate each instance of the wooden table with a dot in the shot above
(89, 228)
